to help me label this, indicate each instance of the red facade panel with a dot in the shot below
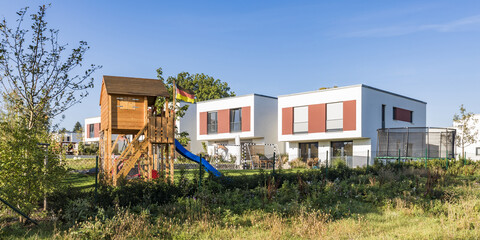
(203, 123)
(245, 119)
(402, 114)
(349, 115)
(223, 121)
(316, 118)
(96, 130)
(287, 121)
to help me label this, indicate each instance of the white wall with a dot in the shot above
(266, 120)
(470, 150)
(188, 123)
(372, 113)
(92, 120)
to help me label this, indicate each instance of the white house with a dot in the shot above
(471, 151)
(188, 123)
(91, 130)
(69, 140)
(237, 120)
(342, 122)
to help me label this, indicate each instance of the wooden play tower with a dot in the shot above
(128, 111)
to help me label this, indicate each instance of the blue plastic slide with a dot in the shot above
(184, 152)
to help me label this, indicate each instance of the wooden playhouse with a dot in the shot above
(128, 108)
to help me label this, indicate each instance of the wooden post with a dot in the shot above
(162, 160)
(108, 158)
(172, 156)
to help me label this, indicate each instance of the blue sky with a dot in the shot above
(429, 50)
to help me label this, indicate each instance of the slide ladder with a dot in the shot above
(187, 154)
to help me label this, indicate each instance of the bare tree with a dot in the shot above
(39, 72)
(465, 122)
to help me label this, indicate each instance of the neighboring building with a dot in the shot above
(235, 120)
(471, 151)
(69, 141)
(91, 130)
(188, 123)
(342, 122)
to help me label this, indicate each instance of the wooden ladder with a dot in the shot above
(132, 154)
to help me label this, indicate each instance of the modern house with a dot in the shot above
(91, 132)
(471, 151)
(188, 123)
(69, 141)
(342, 122)
(233, 121)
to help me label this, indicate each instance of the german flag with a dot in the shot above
(184, 94)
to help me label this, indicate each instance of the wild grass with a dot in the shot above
(387, 202)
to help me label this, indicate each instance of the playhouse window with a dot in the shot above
(300, 119)
(127, 103)
(335, 116)
(236, 120)
(212, 122)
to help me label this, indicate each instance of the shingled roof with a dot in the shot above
(135, 86)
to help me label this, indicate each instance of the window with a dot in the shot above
(91, 130)
(236, 120)
(335, 116)
(478, 151)
(383, 116)
(68, 138)
(212, 122)
(402, 114)
(308, 150)
(127, 103)
(342, 150)
(300, 119)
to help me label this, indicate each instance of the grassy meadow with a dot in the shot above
(394, 201)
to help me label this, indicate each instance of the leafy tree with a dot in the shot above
(205, 88)
(467, 133)
(24, 177)
(44, 79)
(78, 127)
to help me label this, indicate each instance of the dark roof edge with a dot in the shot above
(394, 94)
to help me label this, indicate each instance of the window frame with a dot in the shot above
(209, 124)
(337, 119)
(232, 123)
(303, 122)
(91, 130)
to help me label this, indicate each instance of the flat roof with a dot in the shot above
(247, 95)
(354, 86)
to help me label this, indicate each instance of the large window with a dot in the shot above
(342, 150)
(308, 150)
(236, 120)
(212, 122)
(91, 130)
(300, 119)
(335, 116)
